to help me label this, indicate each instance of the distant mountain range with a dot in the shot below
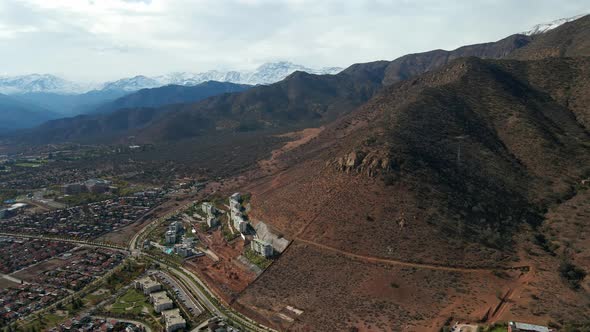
(68, 98)
(266, 74)
(301, 99)
(58, 97)
(18, 113)
(15, 114)
(41, 83)
(171, 94)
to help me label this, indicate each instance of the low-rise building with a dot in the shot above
(262, 248)
(524, 327)
(161, 301)
(97, 186)
(173, 320)
(184, 251)
(73, 188)
(147, 285)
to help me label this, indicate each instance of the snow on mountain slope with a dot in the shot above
(40, 83)
(274, 72)
(544, 27)
(133, 84)
(266, 74)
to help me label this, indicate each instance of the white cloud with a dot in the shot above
(107, 39)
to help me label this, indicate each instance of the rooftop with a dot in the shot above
(160, 298)
(147, 282)
(173, 317)
(529, 327)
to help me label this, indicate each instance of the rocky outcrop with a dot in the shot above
(370, 163)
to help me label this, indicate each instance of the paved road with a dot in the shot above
(147, 328)
(74, 241)
(11, 278)
(181, 292)
(185, 276)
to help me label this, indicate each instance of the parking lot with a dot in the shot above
(180, 293)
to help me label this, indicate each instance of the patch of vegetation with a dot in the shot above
(75, 305)
(390, 179)
(128, 273)
(577, 327)
(225, 231)
(126, 189)
(39, 323)
(84, 198)
(28, 164)
(246, 198)
(545, 244)
(132, 302)
(6, 194)
(254, 258)
(499, 328)
(572, 274)
(94, 299)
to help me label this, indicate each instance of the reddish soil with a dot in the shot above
(339, 292)
(300, 138)
(368, 256)
(228, 277)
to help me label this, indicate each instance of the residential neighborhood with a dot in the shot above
(86, 221)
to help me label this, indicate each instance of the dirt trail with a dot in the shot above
(515, 292)
(302, 137)
(373, 259)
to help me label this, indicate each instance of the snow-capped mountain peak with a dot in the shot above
(544, 27)
(133, 83)
(39, 83)
(265, 74)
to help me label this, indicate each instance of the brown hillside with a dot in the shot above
(384, 186)
(569, 40)
(395, 163)
(412, 65)
(298, 101)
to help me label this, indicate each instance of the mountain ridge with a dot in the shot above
(45, 83)
(171, 94)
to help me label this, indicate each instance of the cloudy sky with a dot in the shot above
(108, 39)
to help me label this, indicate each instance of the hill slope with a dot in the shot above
(520, 149)
(571, 39)
(70, 104)
(15, 114)
(414, 64)
(171, 94)
(387, 184)
(298, 100)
